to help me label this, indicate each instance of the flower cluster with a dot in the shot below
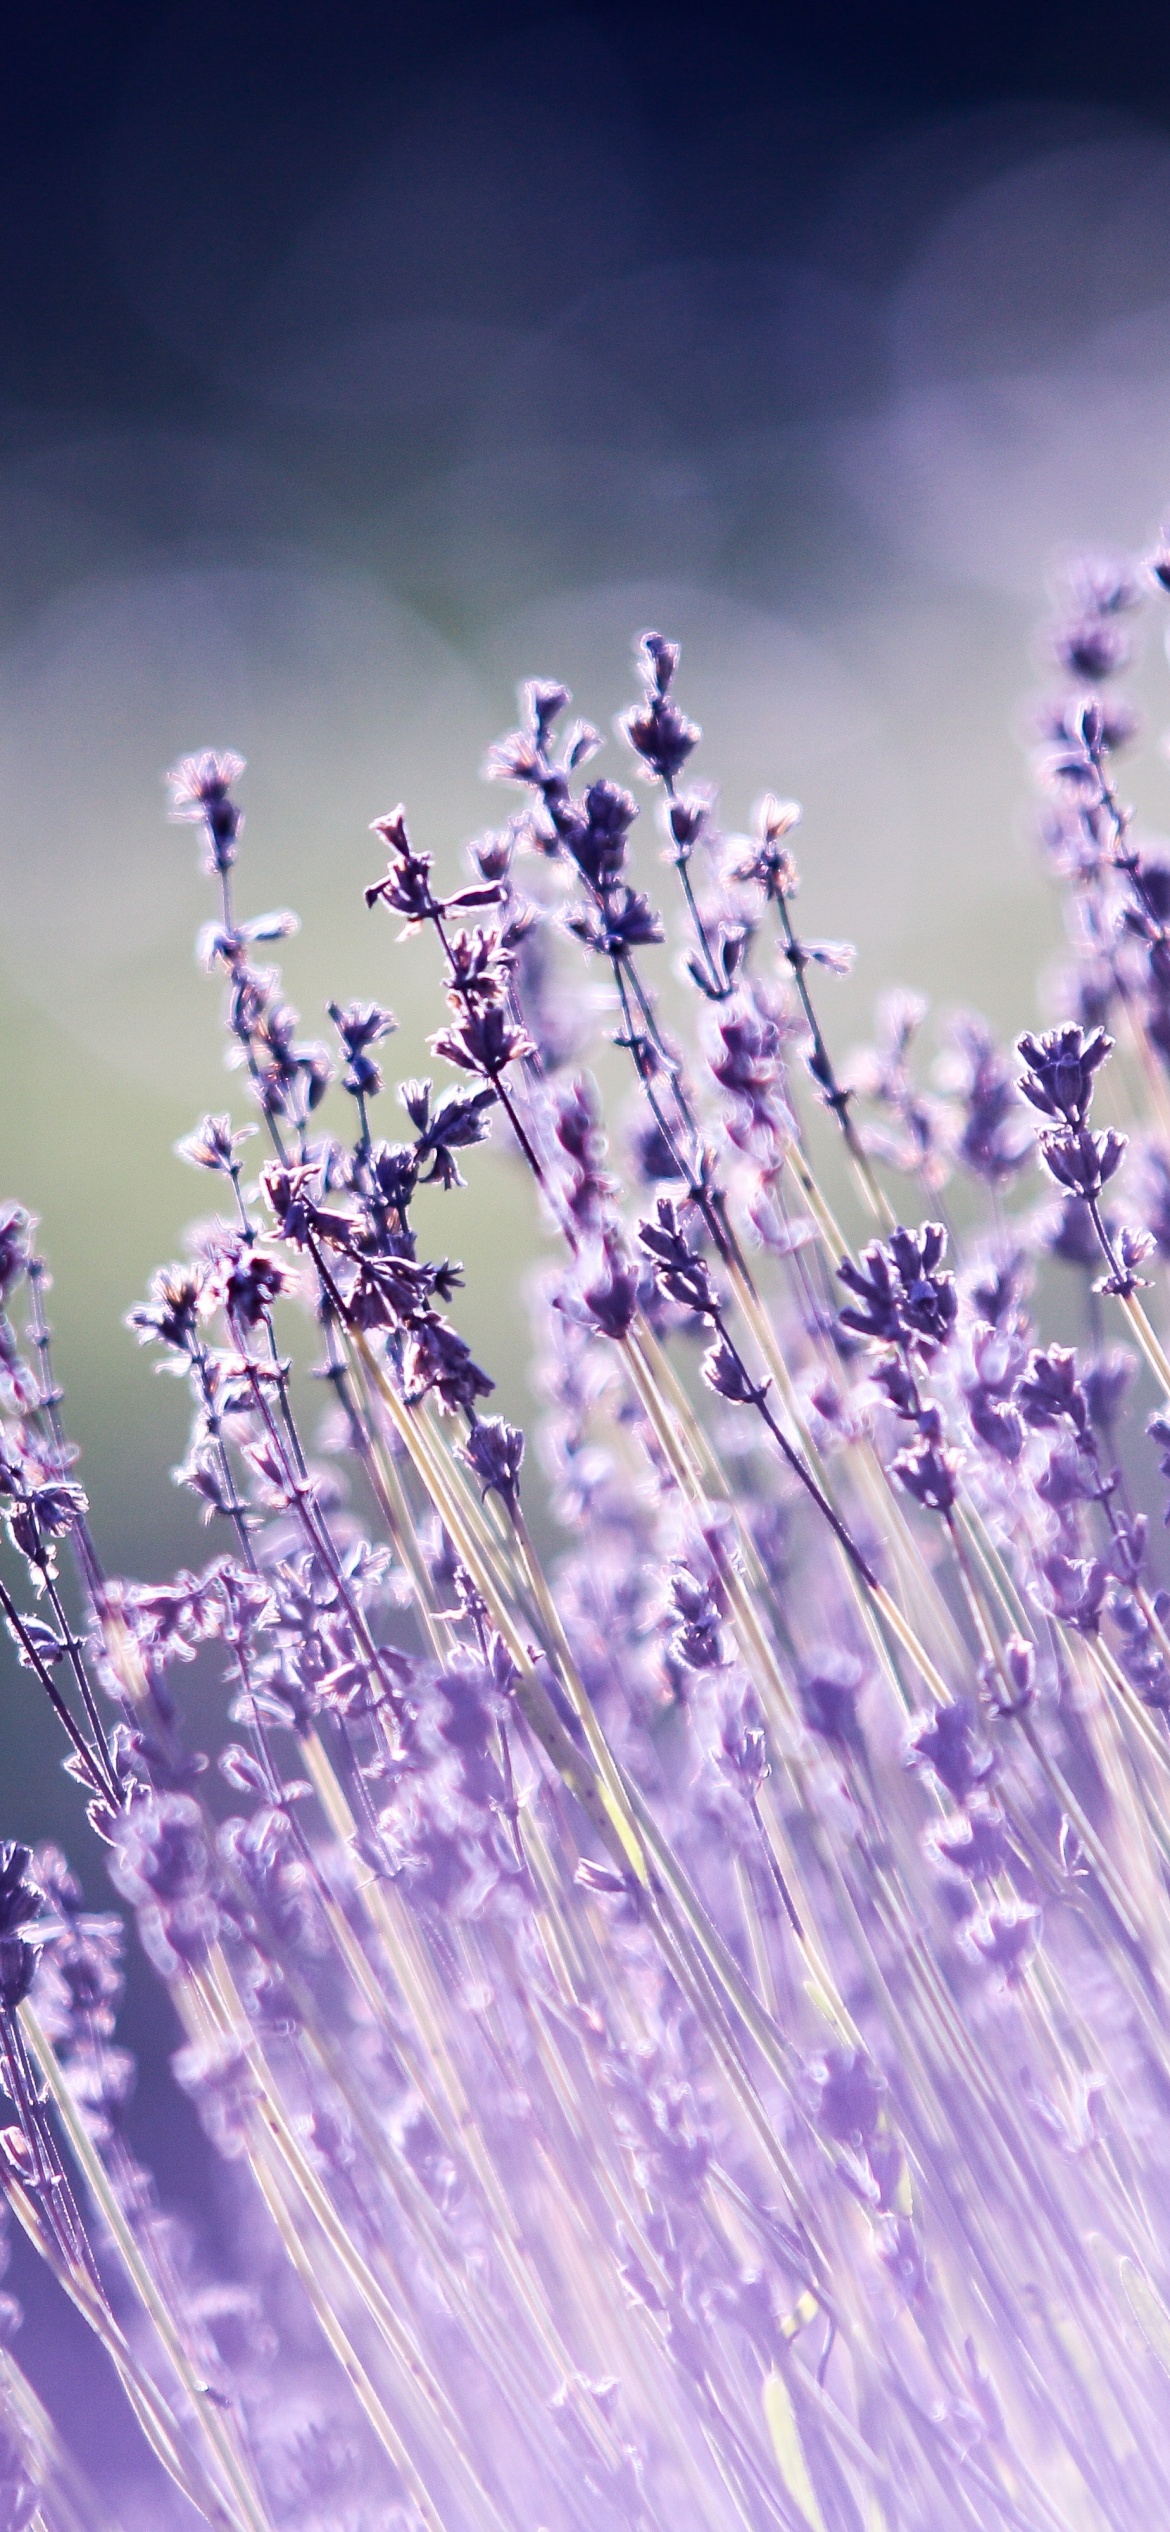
(685, 2011)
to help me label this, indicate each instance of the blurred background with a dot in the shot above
(357, 362)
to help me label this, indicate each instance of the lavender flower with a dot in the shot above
(646, 1951)
(200, 788)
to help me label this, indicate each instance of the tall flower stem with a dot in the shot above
(221, 2002)
(70, 2503)
(835, 1098)
(307, 2262)
(216, 2423)
(163, 2430)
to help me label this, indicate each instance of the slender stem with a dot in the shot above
(50, 1407)
(848, 1545)
(106, 1786)
(159, 2424)
(532, 1696)
(227, 2007)
(305, 2259)
(81, 1675)
(496, 1079)
(823, 1072)
(717, 983)
(75, 2503)
(214, 2421)
(1151, 1346)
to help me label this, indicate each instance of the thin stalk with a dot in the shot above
(314, 1524)
(532, 1696)
(679, 1429)
(718, 1960)
(835, 1097)
(1147, 1838)
(832, 1236)
(495, 2328)
(223, 2004)
(400, 1523)
(622, 1811)
(214, 2421)
(455, 2119)
(77, 1666)
(1152, 1740)
(1026, 2190)
(223, 2001)
(457, 2123)
(159, 2424)
(894, 1618)
(76, 2505)
(997, 1575)
(305, 2261)
(105, 1785)
(1055, 1777)
(1150, 1344)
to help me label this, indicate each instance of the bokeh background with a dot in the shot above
(356, 362)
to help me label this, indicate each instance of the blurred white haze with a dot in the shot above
(474, 420)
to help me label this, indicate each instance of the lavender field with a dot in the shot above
(685, 2015)
(585, 1780)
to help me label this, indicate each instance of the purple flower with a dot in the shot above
(1107, 1379)
(20, 1903)
(750, 1065)
(406, 888)
(1067, 1232)
(950, 1747)
(903, 1296)
(696, 1637)
(245, 1282)
(15, 1237)
(596, 834)
(360, 1026)
(1068, 1480)
(829, 1687)
(1061, 1068)
(771, 866)
(200, 789)
(1005, 1939)
(494, 1450)
(1130, 1250)
(929, 1474)
(995, 1140)
(678, 1269)
(1083, 1162)
(611, 1297)
(998, 1425)
(656, 730)
(850, 2096)
(1051, 1393)
(1074, 1588)
(163, 1864)
(1091, 647)
(485, 1042)
(726, 1373)
(213, 1145)
(171, 1317)
(626, 921)
(689, 823)
(520, 756)
(972, 1843)
(437, 1358)
(654, 1155)
(997, 1358)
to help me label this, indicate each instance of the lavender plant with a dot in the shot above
(690, 2023)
